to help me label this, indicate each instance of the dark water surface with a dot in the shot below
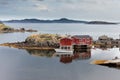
(18, 64)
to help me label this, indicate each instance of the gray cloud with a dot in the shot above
(85, 9)
(33, 0)
(41, 0)
(36, 0)
(2, 2)
(7, 2)
(66, 1)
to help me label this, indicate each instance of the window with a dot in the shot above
(68, 47)
(62, 47)
(65, 47)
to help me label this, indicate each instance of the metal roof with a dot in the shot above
(81, 36)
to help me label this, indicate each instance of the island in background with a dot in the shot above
(62, 20)
(7, 29)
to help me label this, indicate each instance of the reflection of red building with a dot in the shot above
(85, 55)
(67, 43)
(79, 44)
(67, 58)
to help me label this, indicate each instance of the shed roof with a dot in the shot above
(81, 36)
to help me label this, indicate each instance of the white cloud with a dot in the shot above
(41, 7)
(83, 9)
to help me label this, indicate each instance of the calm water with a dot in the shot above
(18, 64)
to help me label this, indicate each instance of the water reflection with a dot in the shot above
(42, 53)
(81, 54)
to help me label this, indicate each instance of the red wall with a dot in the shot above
(68, 41)
(86, 41)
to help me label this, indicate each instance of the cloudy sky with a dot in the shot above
(54, 9)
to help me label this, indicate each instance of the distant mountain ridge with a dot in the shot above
(0, 22)
(100, 22)
(62, 20)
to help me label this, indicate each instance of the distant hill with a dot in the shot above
(62, 20)
(0, 22)
(100, 22)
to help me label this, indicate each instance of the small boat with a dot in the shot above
(109, 63)
(63, 51)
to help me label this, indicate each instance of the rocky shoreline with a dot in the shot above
(22, 45)
(7, 29)
(17, 30)
(51, 41)
(38, 42)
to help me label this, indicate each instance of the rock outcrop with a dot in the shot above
(44, 40)
(4, 28)
(7, 29)
(37, 42)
